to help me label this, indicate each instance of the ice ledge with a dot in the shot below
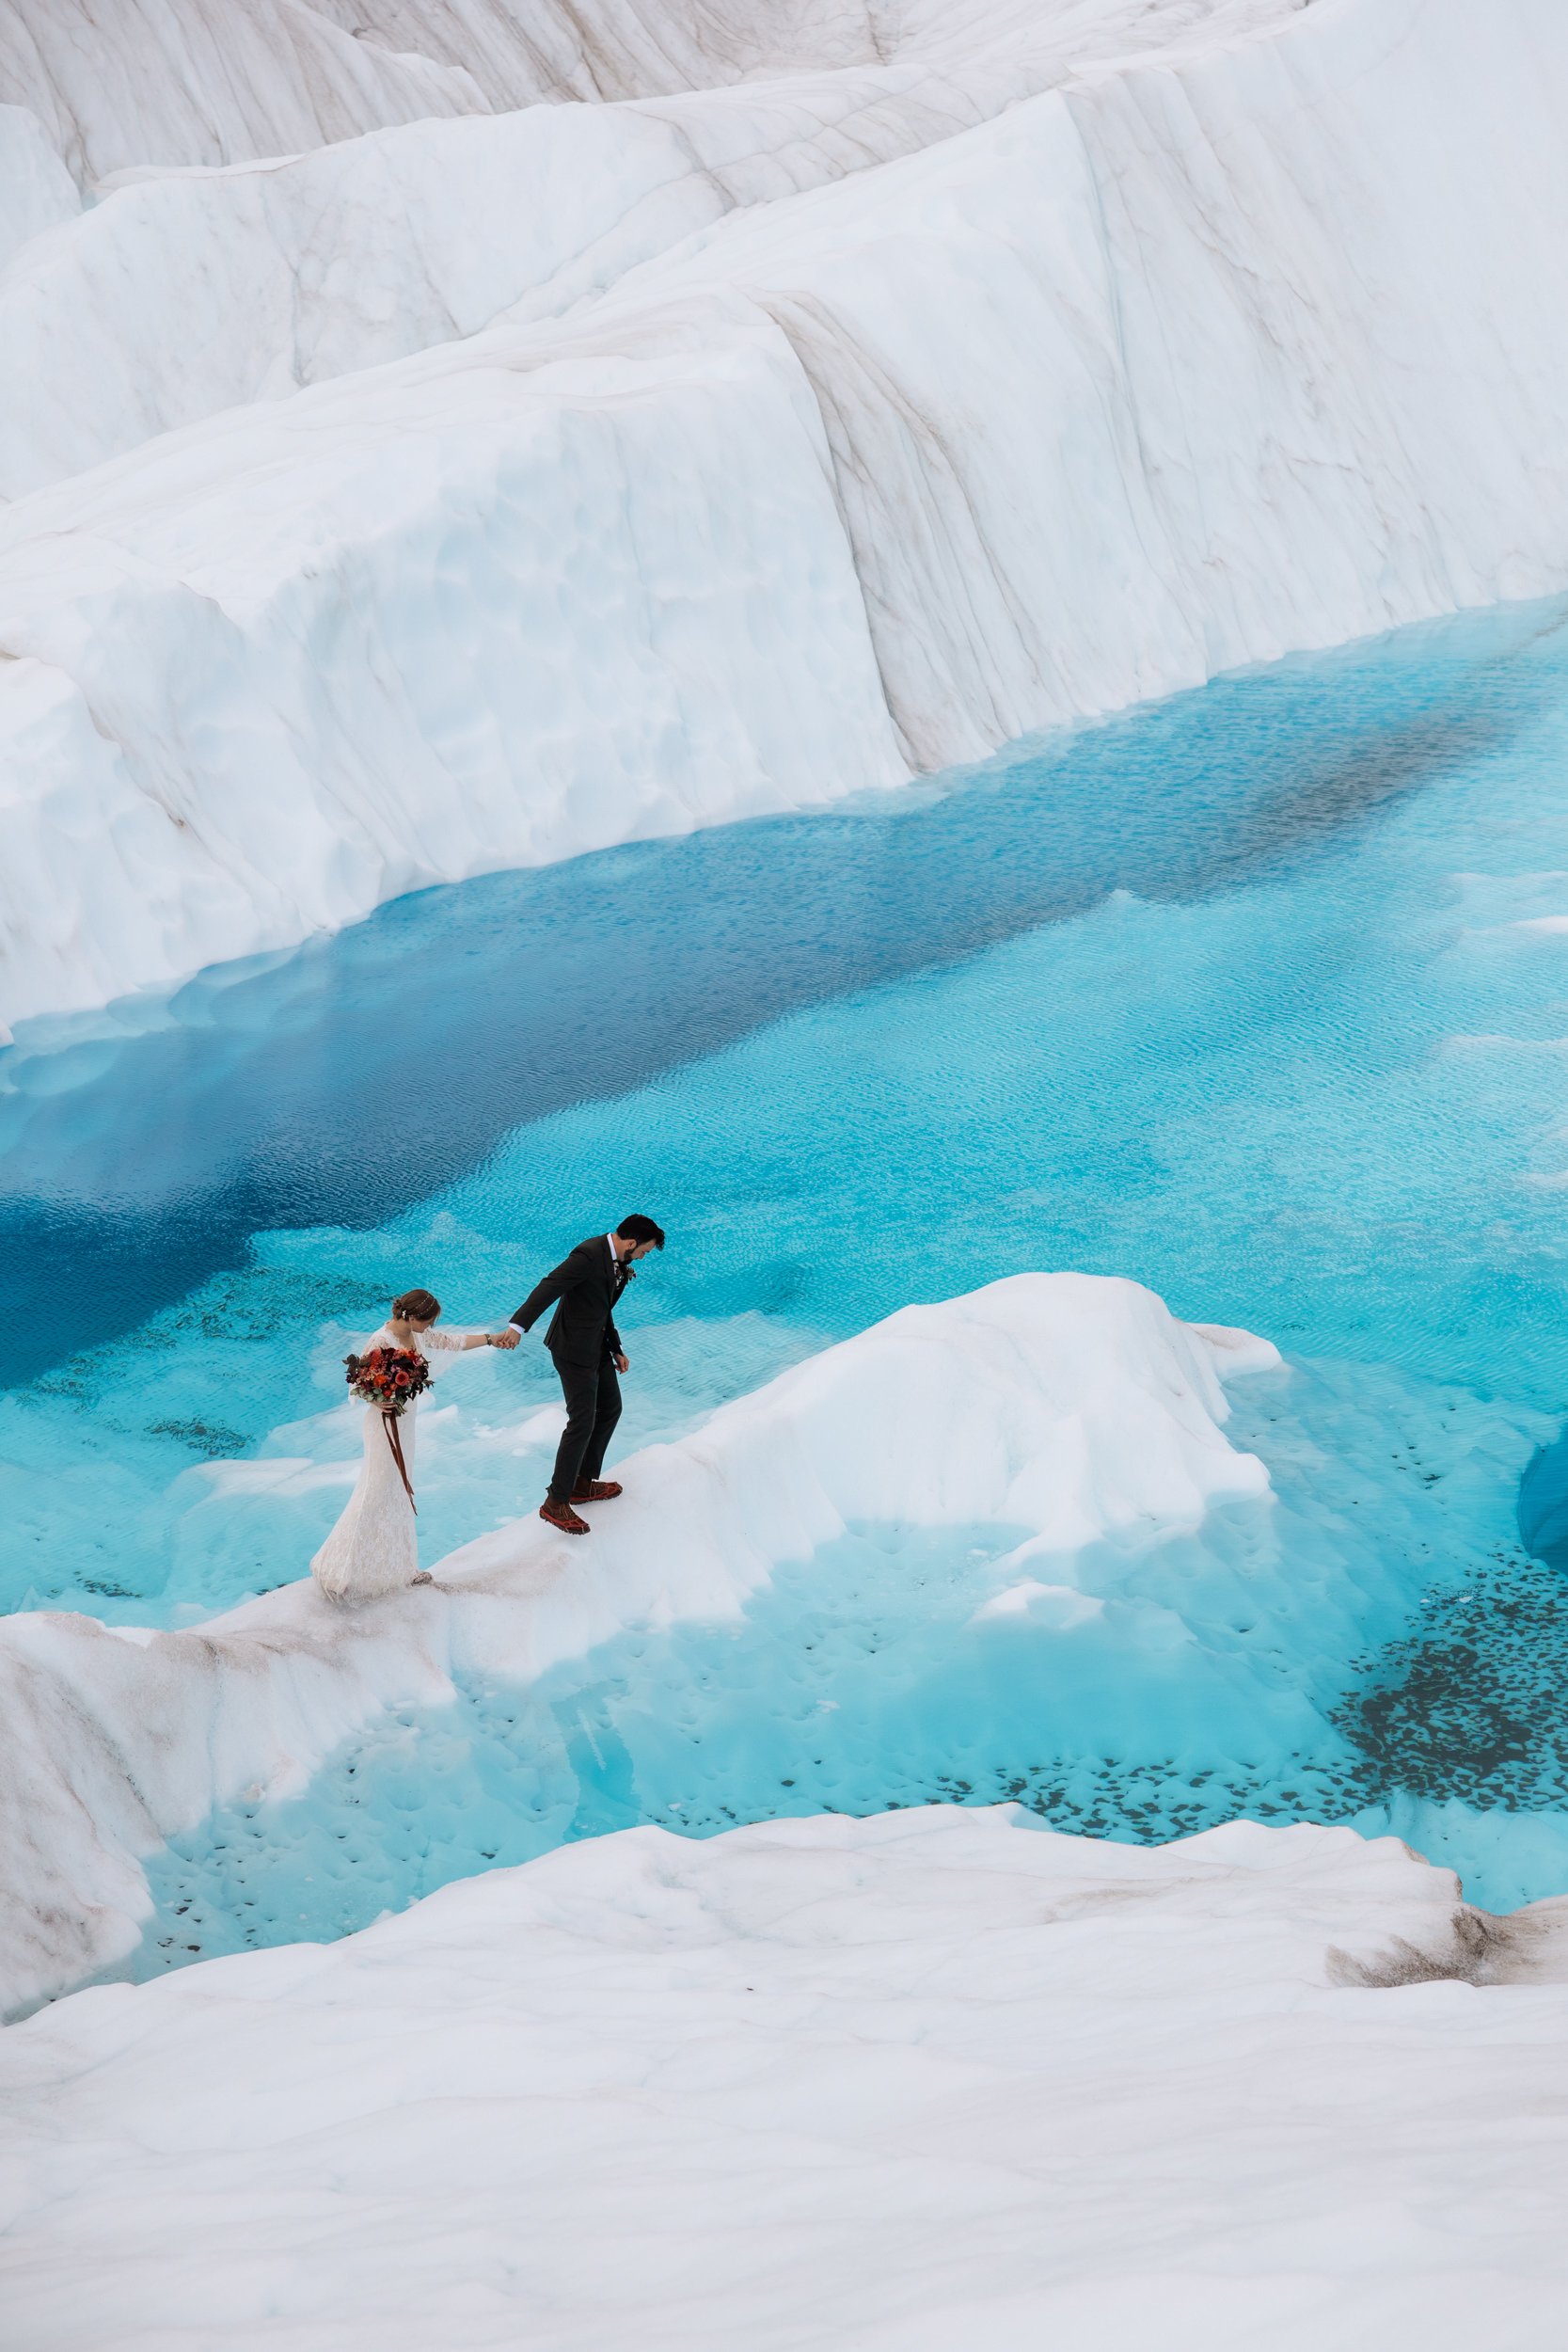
(1072, 1406)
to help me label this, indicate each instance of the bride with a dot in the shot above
(373, 1548)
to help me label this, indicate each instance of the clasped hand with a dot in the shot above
(510, 1337)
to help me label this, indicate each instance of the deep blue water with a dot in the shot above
(1239, 994)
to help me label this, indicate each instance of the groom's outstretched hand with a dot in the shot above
(508, 1337)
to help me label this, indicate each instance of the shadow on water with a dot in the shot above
(340, 1083)
(1542, 1506)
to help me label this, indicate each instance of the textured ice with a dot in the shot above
(204, 81)
(1103, 394)
(927, 2082)
(1066, 1407)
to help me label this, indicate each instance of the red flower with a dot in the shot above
(388, 1376)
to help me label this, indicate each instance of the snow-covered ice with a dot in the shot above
(1094, 368)
(938, 2081)
(1066, 1406)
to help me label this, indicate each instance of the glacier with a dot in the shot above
(860, 395)
(445, 436)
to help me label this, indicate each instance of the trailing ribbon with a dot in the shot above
(389, 1423)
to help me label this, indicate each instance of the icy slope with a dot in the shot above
(179, 294)
(1063, 1405)
(1173, 367)
(182, 292)
(293, 272)
(930, 2082)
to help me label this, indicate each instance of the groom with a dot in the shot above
(588, 1353)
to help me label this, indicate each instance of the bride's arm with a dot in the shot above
(458, 1341)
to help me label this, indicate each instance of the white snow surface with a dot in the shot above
(857, 391)
(1072, 1406)
(938, 2081)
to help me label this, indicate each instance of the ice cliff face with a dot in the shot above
(854, 393)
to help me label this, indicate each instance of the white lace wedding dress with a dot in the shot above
(374, 1547)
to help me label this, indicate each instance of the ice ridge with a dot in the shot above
(1067, 1406)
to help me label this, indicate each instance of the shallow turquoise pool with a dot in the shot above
(1260, 996)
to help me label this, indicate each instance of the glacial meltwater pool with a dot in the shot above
(1260, 996)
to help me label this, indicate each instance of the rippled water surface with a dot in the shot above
(1260, 996)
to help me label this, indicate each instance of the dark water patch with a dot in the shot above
(1473, 1705)
(1542, 1511)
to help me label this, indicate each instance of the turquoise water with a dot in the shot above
(1254, 995)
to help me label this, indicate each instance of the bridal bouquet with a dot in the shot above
(391, 1377)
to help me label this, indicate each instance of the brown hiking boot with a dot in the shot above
(596, 1490)
(563, 1515)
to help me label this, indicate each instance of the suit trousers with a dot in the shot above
(592, 1408)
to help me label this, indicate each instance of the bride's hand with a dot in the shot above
(508, 1337)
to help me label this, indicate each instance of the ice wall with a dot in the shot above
(1250, 344)
(182, 292)
(1063, 1406)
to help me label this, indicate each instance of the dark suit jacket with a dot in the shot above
(584, 1288)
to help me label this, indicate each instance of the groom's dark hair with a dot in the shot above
(641, 1229)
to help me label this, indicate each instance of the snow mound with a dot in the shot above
(1068, 1406)
(922, 2083)
(1198, 356)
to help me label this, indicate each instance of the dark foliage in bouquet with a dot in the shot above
(391, 1377)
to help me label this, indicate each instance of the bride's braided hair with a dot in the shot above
(416, 1306)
